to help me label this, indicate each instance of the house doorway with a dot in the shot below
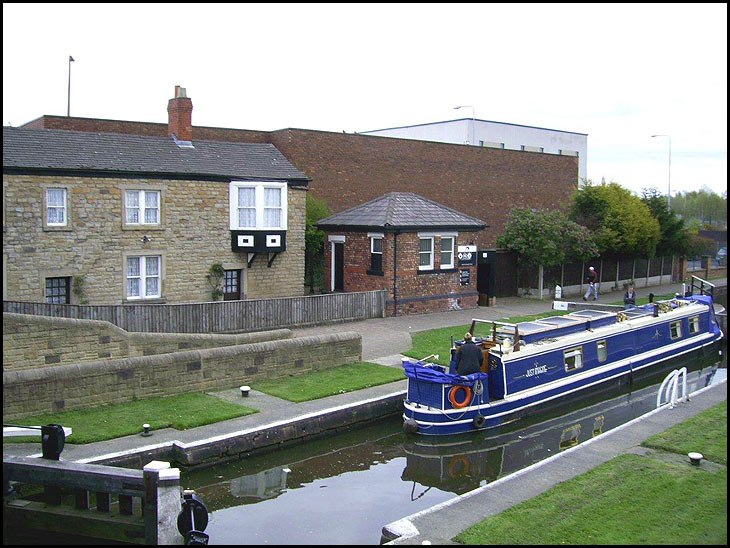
(338, 263)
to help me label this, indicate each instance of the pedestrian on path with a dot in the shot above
(592, 284)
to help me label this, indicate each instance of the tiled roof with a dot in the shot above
(63, 150)
(401, 210)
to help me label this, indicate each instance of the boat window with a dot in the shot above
(675, 329)
(602, 351)
(694, 325)
(573, 358)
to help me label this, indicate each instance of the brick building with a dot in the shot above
(347, 170)
(421, 252)
(143, 218)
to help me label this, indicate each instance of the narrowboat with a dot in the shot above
(553, 361)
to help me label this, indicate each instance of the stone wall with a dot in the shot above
(84, 385)
(194, 233)
(40, 341)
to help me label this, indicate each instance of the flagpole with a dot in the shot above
(68, 110)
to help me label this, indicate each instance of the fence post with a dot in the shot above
(162, 503)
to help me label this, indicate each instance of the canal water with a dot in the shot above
(343, 489)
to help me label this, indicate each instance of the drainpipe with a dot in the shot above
(395, 274)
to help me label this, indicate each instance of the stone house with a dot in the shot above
(119, 219)
(421, 252)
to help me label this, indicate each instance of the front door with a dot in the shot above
(338, 274)
(232, 285)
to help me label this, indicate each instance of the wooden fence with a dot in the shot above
(219, 317)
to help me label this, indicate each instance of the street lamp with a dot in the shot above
(68, 109)
(472, 119)
(669, 186)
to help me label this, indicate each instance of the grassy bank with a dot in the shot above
(114, 421)
(330, 382)
(653, 499)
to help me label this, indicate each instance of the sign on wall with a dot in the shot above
(467, 255)
(464, 276)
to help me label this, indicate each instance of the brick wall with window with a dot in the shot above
(136, 240)
(420, 289)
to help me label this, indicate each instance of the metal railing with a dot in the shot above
(670, 389)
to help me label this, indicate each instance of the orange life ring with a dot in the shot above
(467, 396)
(463, 469)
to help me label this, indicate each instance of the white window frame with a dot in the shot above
(441, 252)
(675, 326)
(142, 277)
(64, 207)
(575, 352)
(602, 350)
(260, 204)
(430, 253)
(694, 322)
(142, 207)
(376, 236)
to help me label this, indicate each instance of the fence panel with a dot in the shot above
(218, 317)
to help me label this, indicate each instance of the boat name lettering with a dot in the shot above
(536, 370)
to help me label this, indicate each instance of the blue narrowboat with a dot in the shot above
(552, 361)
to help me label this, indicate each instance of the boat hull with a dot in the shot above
(433, 421)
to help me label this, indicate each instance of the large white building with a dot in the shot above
(486, 133)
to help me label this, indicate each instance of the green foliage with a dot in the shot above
(546, 237)
(706, 208)
(215, 276)
(314, 242)
(78, 288)
(675, 236)
(620, 222)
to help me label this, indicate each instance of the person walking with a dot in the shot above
(592, 284)
(469, 358)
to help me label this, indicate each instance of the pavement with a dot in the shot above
(383, 341)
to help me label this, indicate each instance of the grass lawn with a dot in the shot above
(319, 384)
(114, 421)
(630, 499)
(438, 341)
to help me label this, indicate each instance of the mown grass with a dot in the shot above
(114, 421)
(338, 380)
(629, 500)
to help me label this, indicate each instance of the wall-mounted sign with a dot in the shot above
(464, 276)
(467, 255)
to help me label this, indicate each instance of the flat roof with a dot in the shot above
(476, 120)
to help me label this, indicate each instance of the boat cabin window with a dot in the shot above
(602, 351)
(675, 329)
(573, 358)
(694, 325)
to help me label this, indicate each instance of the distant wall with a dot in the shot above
(84, 385)
(41, 341)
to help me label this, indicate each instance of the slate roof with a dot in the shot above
(80, 151)
(401, 211)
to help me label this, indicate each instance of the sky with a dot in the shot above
(618, 72)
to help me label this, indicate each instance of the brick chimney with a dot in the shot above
(179, 113)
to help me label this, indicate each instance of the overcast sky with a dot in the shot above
(618, 72)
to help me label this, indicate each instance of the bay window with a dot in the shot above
(258, 205)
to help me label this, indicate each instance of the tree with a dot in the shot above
(314, 242)
(620, 222)
(675, 235)
(545, 237)
(704, 206)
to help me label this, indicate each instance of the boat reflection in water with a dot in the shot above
(461, 463)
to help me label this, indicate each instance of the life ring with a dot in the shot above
(467, 396)
(462, 470)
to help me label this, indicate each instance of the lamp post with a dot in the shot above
(472, 119)
(68, 107)
(669, 185)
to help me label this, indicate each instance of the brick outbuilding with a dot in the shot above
(423, 253)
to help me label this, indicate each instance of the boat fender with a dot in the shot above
(465, 401)
(479, 421)
(410, 426)
(458, 466)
